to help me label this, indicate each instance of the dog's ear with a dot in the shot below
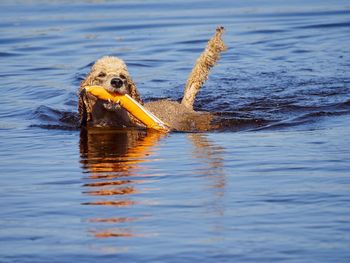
(83, 115)
(85, 105)
(133, 90)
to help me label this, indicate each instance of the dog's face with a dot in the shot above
(112, 74)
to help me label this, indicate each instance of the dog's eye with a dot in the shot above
(122, 77)
(102, 75)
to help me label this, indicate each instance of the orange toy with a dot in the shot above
(132, 106)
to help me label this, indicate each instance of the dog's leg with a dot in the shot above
(201, 69)
(111, 106)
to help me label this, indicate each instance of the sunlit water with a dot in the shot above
(272, 185)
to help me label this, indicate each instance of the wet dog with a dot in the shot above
(112, 74)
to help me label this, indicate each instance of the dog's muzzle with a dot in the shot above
(117, 83)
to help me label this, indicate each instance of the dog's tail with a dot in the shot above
(204, 63)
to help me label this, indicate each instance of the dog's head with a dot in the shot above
(112, 74)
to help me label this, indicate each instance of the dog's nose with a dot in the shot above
(117, 83)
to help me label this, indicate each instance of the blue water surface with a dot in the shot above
(271, 185)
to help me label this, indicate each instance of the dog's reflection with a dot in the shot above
(111, 154)
(113, 163)
(112, 160)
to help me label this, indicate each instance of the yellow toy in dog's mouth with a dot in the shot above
(132, 106)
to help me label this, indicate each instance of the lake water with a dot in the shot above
(272, 185)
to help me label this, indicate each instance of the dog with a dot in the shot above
(112, 74)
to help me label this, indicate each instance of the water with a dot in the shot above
(271, 185)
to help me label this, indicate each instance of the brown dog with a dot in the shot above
(112, 74)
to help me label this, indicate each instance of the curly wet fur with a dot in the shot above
(201, 69)
(113, 65)
(180, 116)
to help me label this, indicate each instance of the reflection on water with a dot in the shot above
(111, 158)
(210, 157)
(112, 161)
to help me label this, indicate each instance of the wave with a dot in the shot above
(254, 116)
(50, 118)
